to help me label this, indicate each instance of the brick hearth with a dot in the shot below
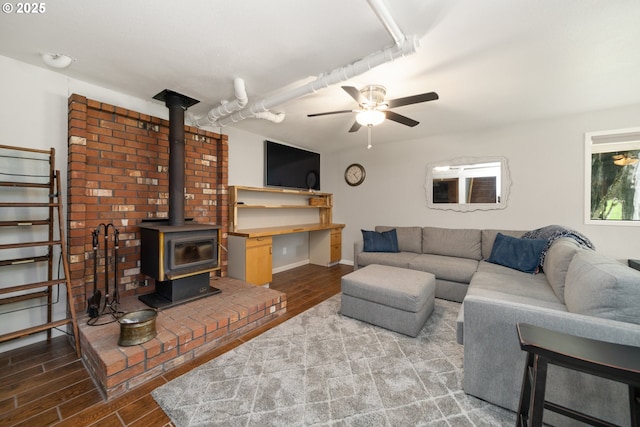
(184, 332)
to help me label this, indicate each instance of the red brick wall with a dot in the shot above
(118, 173)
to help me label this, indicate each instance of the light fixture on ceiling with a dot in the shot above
(57, 60)
(370, 117)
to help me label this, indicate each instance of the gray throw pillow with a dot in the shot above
(599, 286)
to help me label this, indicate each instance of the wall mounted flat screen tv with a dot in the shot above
(291, 167)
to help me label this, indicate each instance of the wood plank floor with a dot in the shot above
(44, 384)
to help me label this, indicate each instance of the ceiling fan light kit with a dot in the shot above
(370, 117)
(374, 109)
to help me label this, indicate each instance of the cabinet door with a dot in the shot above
(258, 260)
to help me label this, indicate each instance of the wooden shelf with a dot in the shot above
(285, 229)
(42, 289)
(243, 206)
(272, 200)
(277, 190)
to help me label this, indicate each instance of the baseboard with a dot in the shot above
(305, 262)
(290, 266)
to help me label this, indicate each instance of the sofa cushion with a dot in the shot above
(399, 288)
(495, 278)
(409, 238)
(489, 236)
(394, 259)
(520, 254)
(556, 263)
(445, 267)
(463, 243)
(386, 241)
(599, 286)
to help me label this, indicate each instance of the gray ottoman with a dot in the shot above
(394, 298)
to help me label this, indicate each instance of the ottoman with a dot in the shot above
(394, 298)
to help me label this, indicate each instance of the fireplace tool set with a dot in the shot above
(111, 302)
(136, 327)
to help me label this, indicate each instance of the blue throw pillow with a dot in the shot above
(374, 241)
(519, 254)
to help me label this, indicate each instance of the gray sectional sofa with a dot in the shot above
(579, 291)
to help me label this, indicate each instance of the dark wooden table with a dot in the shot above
(616, 362)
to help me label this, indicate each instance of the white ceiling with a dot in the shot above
(492, 62)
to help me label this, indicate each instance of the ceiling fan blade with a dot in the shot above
(401, 119)
(356, 126)
(355, 94)
(414, 99)
(329, 112)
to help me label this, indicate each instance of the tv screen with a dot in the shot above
(291, 167)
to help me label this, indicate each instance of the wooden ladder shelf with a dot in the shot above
(25, 254)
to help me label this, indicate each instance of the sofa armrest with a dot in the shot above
(494, 363)
(358, 247)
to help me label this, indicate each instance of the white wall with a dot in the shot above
(545, 158)
(246, 167)
(546, 162)
(34, 115)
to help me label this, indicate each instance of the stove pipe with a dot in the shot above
(177, 105)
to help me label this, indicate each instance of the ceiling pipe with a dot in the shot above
(268, 115)
(365, 64)
(404, 46)
(226, 108)
(383, 14)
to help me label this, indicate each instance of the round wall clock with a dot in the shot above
(354, 174)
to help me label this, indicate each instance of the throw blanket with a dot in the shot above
(551, 233)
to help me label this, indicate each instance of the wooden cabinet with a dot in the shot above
(325, 246)
(336, 245)
(259, 252)
(250, 259)
(260, 213)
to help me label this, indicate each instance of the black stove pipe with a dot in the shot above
(177, 105)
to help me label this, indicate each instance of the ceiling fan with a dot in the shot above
(374, 109)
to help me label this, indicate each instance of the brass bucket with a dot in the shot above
(137, 327)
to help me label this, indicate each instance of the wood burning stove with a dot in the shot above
(179, 254)
(180, 259)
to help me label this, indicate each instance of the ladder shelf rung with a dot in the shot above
(34, 330)
(29, 260)
(25, 184)
(35, 285)
(30, 244)
(28, 205)
(24, 223)
(24, 297)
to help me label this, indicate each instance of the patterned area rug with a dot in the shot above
(324, 369)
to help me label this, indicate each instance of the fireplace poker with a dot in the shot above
(115, 298)
(106, 265)
(116, 246)
(94, 300)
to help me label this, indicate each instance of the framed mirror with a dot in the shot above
(612, 177)
(468, 183)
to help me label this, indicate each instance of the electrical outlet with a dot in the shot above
(284, 250)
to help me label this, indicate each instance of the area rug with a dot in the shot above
(324, 369)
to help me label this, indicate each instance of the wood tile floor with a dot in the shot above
(44, 384)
